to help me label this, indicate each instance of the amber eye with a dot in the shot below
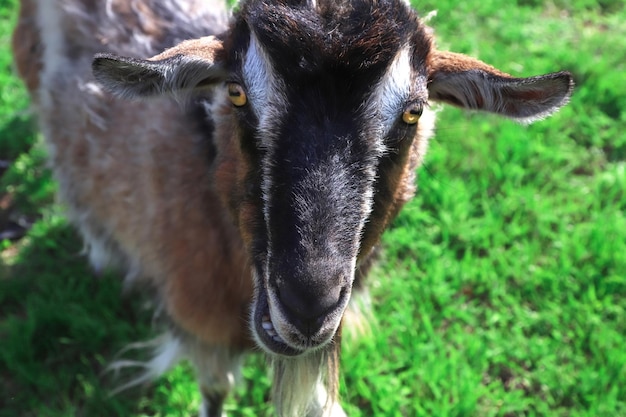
(236, 94)
(412, 114)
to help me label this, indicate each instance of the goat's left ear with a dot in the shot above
(469, 83)
(191, 64)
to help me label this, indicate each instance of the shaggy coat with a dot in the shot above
(246, 171)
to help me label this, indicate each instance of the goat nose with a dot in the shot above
(306, 307)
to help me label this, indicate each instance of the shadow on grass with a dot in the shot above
(17, 136)
(59, 326)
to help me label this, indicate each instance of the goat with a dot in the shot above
(253, 209)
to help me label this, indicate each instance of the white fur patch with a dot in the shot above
(265, 91)
(49, 19)
(217, 367)
(259, 77)
(326, 407)
(267, 99)
(382, 110)
(394, 90)
(296, 385)
(168, 350)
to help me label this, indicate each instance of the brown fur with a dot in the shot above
(150, 23)
(203, 48)
(442, 62)
(27, 46)
(184, 252)
(179, 246)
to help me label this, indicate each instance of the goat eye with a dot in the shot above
(236, 94)
(412, 114)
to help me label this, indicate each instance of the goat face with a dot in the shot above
(315, 111)
(318, 134)
(321, 118)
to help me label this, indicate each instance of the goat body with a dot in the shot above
(253, 209)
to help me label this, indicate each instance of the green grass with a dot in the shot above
(501, 289)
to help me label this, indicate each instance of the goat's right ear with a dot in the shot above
(471, 84)
(191, 64)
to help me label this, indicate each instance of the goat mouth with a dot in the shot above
(265, 332)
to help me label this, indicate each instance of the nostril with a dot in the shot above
(307, 308)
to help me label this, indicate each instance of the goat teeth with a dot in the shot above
(268, 326)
